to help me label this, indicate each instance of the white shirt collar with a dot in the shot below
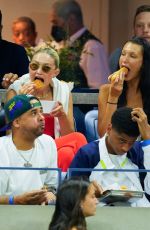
(104, 155)
(76, 35)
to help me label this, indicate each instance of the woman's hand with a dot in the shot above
(58, 111)
(28, 88)
(116, 86)
(8, 79)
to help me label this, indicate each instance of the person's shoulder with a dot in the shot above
(44, 138)
(5, 141)
(88, 148)
(62, 84)
(11, 45)
(87, 156)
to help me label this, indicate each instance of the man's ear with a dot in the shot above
(109, 128)
(16, 123)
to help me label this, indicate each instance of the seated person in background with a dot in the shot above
(27, 147)
(42, 82)
(75, 201)
(141, 29)
(24, 31)
(86, 51)
(13, 61)
(118, 149)
(129, 88)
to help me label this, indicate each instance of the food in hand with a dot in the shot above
(122, 70)
(39, 84)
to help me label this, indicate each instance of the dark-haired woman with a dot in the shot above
(131, 89)
(75, 201)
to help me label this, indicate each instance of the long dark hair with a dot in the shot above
(144, 83)
(68, 212)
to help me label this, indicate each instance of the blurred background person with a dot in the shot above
(83, 49)
(141, 28)
(24, 31)
(13, 61)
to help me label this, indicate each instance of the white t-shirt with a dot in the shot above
(43, 155)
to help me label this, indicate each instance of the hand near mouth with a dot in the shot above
(28, 88)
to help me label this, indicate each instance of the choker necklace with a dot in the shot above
(27, 163)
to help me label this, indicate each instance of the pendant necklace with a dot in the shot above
(27, 163)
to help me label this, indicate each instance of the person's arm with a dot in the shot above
(86, 157)
(28, 198)
(94, 62)
(10, 93)
(139, 116)
(65, 120)
(98, 188)
(8, 79)
(107, 102)
(21, 86)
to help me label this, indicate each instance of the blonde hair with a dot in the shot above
(50, 51)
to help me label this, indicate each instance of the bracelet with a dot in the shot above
(112, 103)
(11, 200)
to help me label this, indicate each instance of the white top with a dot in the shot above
(115, 180)
(43, 155)
(61, 93)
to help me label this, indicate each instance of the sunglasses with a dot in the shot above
(35, 66)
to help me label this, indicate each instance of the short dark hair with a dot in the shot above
(28, 20)
(141, 9)
(122, 122)
(64, 8)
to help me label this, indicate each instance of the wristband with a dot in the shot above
(112, 103)
(11, 200)
(145, 143)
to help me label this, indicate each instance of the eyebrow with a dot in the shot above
(42, 63)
